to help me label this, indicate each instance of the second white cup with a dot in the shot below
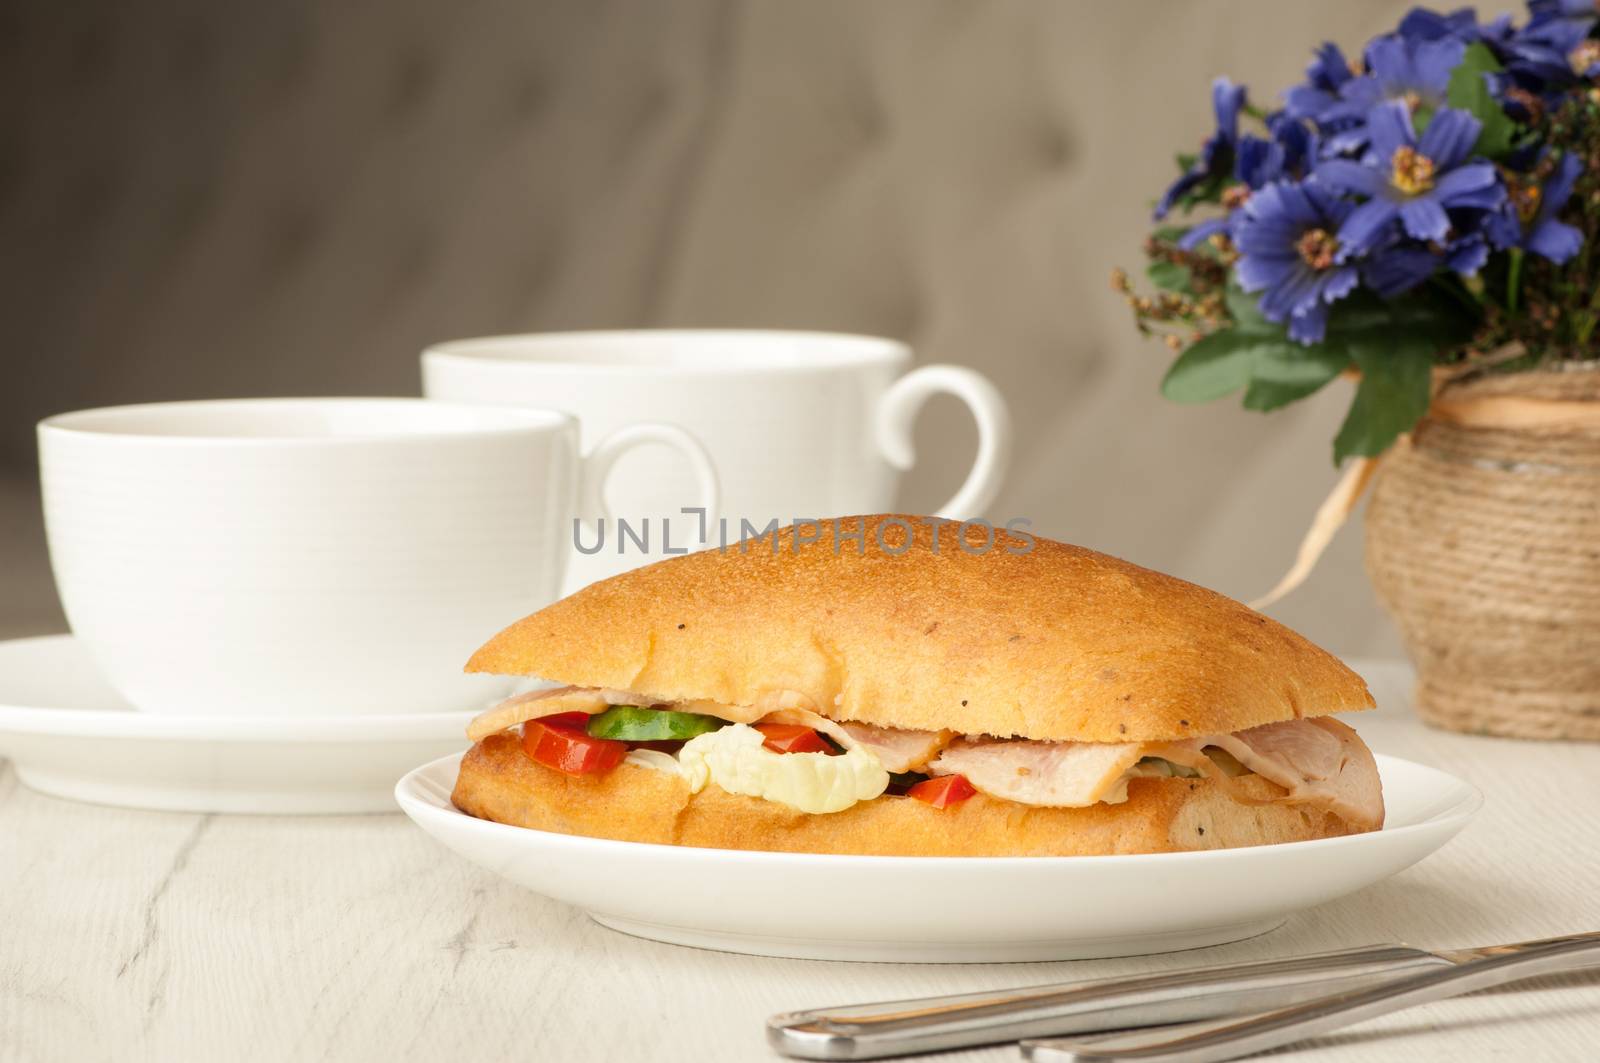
(800, 424)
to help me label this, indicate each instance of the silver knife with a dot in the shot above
(930, 1024)
(1231, 1038)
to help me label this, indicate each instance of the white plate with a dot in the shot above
(947, 909)
(69, 734)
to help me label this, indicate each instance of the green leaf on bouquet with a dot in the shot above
(1245, 309)
(1169, 276)
(1393, 343)
(1212, 367)
(1230, 359)
(1221, 363)
(1284, 370)
(1469, 91)
(1289, 372)
(1429, 313)
(1393, 394)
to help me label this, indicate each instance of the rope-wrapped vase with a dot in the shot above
(1483, 542)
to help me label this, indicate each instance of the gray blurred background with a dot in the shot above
(203, 198)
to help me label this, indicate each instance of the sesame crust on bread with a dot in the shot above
(1029, 638)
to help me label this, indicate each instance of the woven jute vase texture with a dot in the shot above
(1484, 545)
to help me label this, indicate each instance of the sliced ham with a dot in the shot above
(1054, 774)
(768, 703)
(1189, 752)
(533, 704)
(898, 750)
(807, 718)
(1319, 761)
(1287, 752)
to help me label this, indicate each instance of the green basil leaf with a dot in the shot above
(635, 723)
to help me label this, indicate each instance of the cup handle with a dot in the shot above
(897, 414)
(598, 462)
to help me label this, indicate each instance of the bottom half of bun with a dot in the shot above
(640, 804)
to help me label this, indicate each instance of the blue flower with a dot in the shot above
(1468, 253)
(1413, 72)
(1496, 33)
(1216, 154)
(1528, 218)
(1289, 253)
(1400, 264)
(1258, 161)
(1585, 58)
(1398, 267)
(1545, 56)
(1583, 12)
(1412, 180)
(1285, 153)
(1324, 77)
(1421, 24)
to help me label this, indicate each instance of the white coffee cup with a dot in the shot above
(314, 556)
(800, 424)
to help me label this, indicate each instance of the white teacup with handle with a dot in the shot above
(799, 424)
(316, 556)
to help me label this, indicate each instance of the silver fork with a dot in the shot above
(1213, 1040)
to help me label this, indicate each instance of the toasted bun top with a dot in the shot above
(1029, 637)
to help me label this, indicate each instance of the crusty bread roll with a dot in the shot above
(867, 620)
(1057, 643)
(640, 804)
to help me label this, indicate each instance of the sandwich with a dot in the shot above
(898, 685)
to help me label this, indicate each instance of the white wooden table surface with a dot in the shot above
(145, 935)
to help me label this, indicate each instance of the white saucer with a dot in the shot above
(945, 909)
(70, 735)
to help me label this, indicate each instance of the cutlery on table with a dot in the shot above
(1232, 1038)
(905, 1027)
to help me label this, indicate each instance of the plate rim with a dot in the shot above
(1451, 819)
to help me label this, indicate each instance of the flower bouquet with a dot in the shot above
(1422, 218)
